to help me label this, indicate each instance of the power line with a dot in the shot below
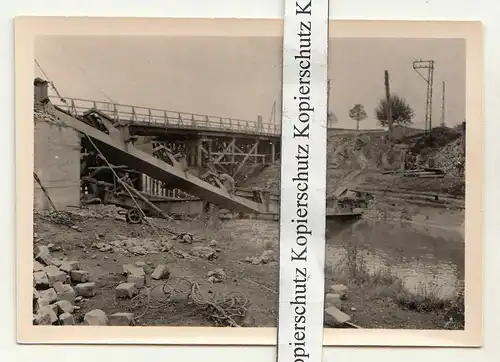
(87, 76)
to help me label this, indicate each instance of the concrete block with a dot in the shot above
(126, 290)
(86, 290)
(96, 317)
(45, 316)
(335, 317)
(54, 274)
(139, 281)
(122, 319)
(80, 276)
(66, 319)
(161, 272)
(333, 300)
(69, 266)
(64, 307)
(67, 293)
(40, 280)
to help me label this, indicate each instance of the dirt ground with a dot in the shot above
(235, 239)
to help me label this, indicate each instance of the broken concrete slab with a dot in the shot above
(86, 290)
(40, 280)
(45, 316)
(161, 272)
(335, 317)
(54, 274)
(126, 290)
(96, 317)
(80, 276)
(66, 319)
(64, 307)
(126, 268)
(67, 293)
(122, 319)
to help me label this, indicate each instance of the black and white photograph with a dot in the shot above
(396, 181)
(156, 177)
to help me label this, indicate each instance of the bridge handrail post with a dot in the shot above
(193, 121)
(115, 112)
(220, 119)
(180, 119)
(73, 108)
(134, 114)
(150, 117)
(207, 121)
(165, 118)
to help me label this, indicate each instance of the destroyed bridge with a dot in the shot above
(180, 150)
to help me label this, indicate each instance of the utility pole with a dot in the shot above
(443, 100)
(388, 104)
(429, 79)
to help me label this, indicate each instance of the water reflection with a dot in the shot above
(426, 258)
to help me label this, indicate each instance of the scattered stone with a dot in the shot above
(204, 252)
(216, 276)
(66, 319)
(47, 297)
(67, 293)
(80, 276)
(353, 309)
(122, 319)
(44, 257)
(335, 317)
(40, 280)
(333, 300)
(53, 247)
(58, 287)
(187, 239)
(36, 295)
(69, 266)
(213, 244)
(54, 274)
(96, 317)
(86, 290)
(161, 272)
(103, 247)
(79, 299)
(54, 308)
(339, 289)
(268, 256)
(37, 266)
(45, 316)
(126, 290)
(64, 307)
(140, 264)
(127, 268)
(139, 281)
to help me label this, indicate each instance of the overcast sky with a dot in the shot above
(241, 77)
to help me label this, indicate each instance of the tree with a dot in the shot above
(402, 113)
(358, 113)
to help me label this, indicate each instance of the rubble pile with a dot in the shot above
(57, 284)
(100, 212)
(451, 156)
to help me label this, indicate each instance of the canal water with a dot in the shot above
(426, 257)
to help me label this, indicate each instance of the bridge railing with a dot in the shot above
(168, 119)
